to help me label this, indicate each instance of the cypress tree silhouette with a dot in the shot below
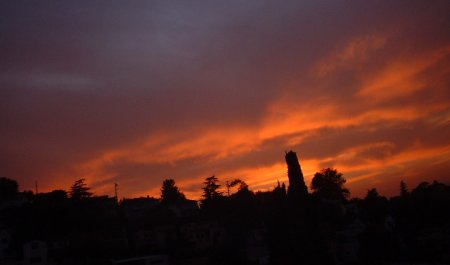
(297, 187)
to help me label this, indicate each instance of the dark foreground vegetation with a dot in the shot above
(230, 225)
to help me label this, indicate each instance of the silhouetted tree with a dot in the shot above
(403, 189)
(329, 184)
(375, 206)
(79, 190)
(280, 190)
(372, 194)
(210, 189)
(431, 202)
(237, 182)
(8, 188)
(170, 193)
(297, 186)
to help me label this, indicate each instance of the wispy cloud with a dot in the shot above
(401, 77)
(353, 54)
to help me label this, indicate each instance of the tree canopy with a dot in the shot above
(240, 184)
(8, 188)
(372, 194)
(403, 189)
(170, 193)
(329, 184)
(210, 189)
(79, 190)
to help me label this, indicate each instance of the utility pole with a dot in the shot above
(115, 192)
(36, 186)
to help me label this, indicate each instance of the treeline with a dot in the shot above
(233, 224)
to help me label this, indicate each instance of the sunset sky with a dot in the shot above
(135, 92)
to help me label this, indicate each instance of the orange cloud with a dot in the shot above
(396, 166)
(292, 120)
(400, 77)
(294, 125)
